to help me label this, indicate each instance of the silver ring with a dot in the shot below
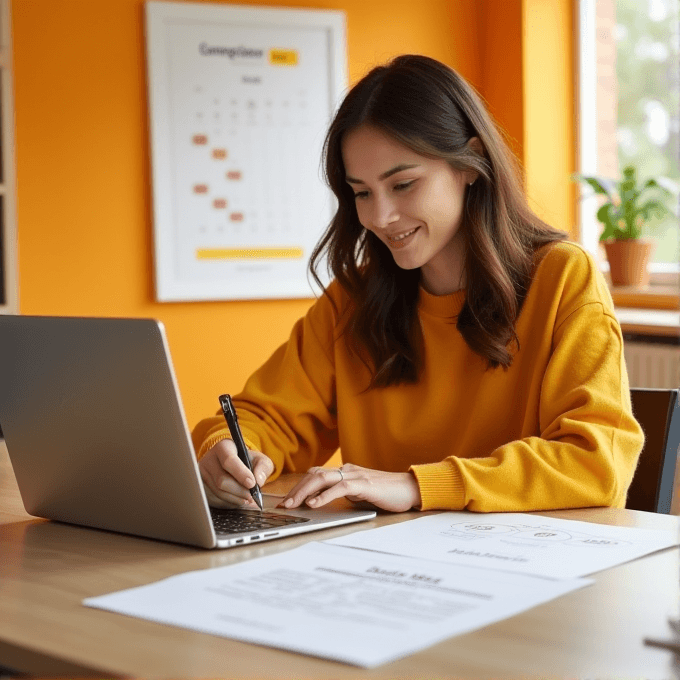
(342, 477)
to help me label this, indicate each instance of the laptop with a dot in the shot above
(96, 434)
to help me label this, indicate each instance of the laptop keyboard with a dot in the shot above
(237, 521)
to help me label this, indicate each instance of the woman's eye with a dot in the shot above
(361, 194)
(402, 186)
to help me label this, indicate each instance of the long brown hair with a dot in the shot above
(432, 110)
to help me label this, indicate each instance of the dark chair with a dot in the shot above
(658, 411)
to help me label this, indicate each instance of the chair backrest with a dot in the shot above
(658, 412)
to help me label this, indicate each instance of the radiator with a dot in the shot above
(651, 364)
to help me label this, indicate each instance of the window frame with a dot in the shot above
(8, 220)
(663, 274)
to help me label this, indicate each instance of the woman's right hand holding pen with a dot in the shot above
(227, 480)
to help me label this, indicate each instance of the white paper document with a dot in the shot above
(338, 603)
(528, 544)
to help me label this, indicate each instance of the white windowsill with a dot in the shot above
(649, 321)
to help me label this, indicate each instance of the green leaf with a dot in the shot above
(668, 186)
(653, 207)
(608, 232)
(606, 214)
(628, 191)
(601, 185)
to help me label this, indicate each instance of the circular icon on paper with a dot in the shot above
(543, 535)
(484, 529)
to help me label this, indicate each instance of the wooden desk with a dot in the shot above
(47, 568)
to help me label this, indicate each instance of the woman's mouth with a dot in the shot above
(401, 240)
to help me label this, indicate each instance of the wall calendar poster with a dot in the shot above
(240, 99)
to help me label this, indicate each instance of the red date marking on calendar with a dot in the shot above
(220, 203)
(200, 188)
(236, 217)
(219, 154)
(200, 139)
(234, 174)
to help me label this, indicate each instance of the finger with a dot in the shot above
(217, 498)
(222, 484)
(311, 484)
(263, 467)
(340, 490)
(217, 502)
(233, 465)
(345, 487)
(207, 472)
(300, 491)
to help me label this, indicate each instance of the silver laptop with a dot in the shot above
(96, 434)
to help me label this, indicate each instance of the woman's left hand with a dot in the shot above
(393, 491)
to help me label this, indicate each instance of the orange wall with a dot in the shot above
(83, 174)
(501, 67)
(528, 79)
(548, 68)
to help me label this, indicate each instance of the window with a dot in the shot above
(630, 109)
(8, 255)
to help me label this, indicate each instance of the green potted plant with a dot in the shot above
(626, 208)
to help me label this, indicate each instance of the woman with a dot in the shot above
(465, 356)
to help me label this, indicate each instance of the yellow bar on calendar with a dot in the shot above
(280, 57)
(249, 253)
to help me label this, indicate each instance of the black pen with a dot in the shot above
(244, 457)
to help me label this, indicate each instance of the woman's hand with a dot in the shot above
(394, 491)
(227, 481)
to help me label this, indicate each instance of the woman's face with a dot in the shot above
(412, 203)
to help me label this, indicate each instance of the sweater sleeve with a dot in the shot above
(287, 407)
(589, 441)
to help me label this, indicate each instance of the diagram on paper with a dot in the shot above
(530, 536)
(520, 542)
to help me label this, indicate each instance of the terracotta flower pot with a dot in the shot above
(628, 261)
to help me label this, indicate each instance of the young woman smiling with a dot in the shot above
(465, 355)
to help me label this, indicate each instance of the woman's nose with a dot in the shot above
(384, 213)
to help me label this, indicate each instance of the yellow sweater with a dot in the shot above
(553, 431)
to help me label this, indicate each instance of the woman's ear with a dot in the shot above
(475, 145)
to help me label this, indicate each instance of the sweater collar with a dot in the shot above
(441, 305)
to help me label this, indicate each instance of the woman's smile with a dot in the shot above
(401, 240)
